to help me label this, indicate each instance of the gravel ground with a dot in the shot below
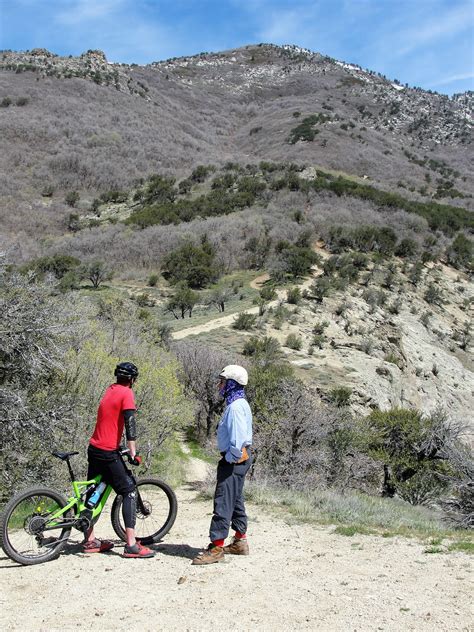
(296, 577)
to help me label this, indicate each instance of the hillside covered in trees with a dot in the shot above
(320, 214)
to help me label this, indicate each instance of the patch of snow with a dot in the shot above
(348, 66)
(297, 49)
(397, 86)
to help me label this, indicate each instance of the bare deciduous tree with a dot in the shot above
(201, 367)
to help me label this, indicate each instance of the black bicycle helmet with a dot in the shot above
(126, 369)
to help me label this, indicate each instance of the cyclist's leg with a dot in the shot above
(94, 468)
(124, 485)
(101, 462)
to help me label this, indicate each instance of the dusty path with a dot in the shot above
(226, 321)
(298, 577)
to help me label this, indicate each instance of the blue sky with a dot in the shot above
(426, 43)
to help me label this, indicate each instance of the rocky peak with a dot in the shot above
(95, 55)
(91, 65)
(41, 52)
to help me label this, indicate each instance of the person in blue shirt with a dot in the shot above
(234, 440)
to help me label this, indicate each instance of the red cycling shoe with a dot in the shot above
(137, 550)
(97, 546)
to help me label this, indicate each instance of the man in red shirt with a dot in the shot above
(116, 411)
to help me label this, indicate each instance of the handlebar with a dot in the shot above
(133, 461)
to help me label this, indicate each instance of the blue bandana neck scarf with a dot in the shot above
(232, 391)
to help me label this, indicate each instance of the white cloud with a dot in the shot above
(283, 26)
(80, 11)
(445, 25)
(447, 80)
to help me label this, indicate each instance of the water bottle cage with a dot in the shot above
(96, 495)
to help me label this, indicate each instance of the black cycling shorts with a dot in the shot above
(112, 468)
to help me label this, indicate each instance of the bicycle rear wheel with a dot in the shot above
(155, 516)
(27, 533)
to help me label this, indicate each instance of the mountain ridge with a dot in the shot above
(256, 151)
(210, 108)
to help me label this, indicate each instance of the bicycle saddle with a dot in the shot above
(64, 456)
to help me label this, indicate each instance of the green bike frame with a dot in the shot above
(80, 489)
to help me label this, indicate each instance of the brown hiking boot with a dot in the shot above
(211, 555)
(239, 546)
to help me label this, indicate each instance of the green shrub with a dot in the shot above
(73, 222)
(47, 190)
(264, 350)
(406, 248)
(425, 318)
(319, 340)
(395, 306)
(72, 198)
(114, 195)
(461, 252)
(293, 341)
(268, 293)
(321, 288)
(57, 264)
(191, 264)
(70, 281)
(153, 279)
(306, 130)
(185, 186)
(297, 261)
(95, 204)
(392, 358)
(320, 327)
(143, 300)
(416, 273)
(201, 173)
(298, 216)
(244, 321)
(159, 189)
(434, 295)
(411, 448)
(293, 296)
(374, 298)
(340, 396)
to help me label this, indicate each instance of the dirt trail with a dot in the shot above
(226, 321)
(297, 577)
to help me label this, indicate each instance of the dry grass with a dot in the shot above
(353, 513)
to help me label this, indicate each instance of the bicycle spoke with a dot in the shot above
(31, 532)
(156, 511)
(156, 503)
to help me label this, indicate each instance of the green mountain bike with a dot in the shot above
(35, 524)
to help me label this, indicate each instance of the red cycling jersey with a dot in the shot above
(109, 425)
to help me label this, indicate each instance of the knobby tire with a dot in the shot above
(17, 519)
(160, 500)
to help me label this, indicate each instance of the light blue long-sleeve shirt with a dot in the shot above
(235, 430)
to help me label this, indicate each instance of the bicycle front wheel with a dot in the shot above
(28, 535)
(157, 507)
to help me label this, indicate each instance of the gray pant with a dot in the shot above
(229, 507)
